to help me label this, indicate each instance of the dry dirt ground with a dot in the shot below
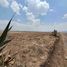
(65, 47)
(34, 49)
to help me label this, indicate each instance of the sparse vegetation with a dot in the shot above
(3, 41)
(4, 34)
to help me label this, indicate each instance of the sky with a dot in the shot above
(34, 15)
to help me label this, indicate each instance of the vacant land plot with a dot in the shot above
(33, 49)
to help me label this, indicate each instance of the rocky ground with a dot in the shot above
(34, 49)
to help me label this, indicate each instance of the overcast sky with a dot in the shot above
(34, 15)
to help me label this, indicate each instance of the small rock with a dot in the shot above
(66, 58)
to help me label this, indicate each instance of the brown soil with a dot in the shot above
(65, 47)
(34, 49)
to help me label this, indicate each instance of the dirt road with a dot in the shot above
(64, 35)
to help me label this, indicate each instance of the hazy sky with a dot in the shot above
(34, 15)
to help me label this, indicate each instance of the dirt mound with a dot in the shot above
(33, 49)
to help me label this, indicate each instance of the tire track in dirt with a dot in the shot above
(65, 48)
(56, 54)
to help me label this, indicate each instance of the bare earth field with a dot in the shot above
(35, 49)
